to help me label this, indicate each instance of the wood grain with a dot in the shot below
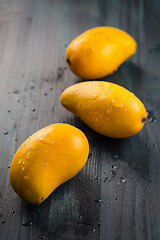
(116, 196)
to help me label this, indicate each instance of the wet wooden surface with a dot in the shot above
(117, 194)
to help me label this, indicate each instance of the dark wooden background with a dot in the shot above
(117, 194)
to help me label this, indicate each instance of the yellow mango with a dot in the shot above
(99, 52)
(106, 107)
(48, 158)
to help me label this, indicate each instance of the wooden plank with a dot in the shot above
(130, 209)
(116, 195)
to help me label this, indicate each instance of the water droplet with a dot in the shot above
(9, 111)
(41, 237)
(123, 179)
(23, 168)
(26, 144)
(13, 211)
(27, 224)
(45, 151)
(150, 181)
(108, 110)
(28, 155)
(115, 156)
(45, 94)
(112, 100)
(151, 117)
(105, 180)
(8, 166)
(154, 145)
(113, 173)
(98, 201)
(6, 132)
(33, 110)
(54, 141)
(77, 93)
(154, 119)
(116, 198)
(15, 91)
(20, 161)
(33, 148)
(80, 217)
(79, 105)
(147, 145)
(3, 221)
(114, 166)
(45, 164)
(97, 177)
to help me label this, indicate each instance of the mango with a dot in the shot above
(48, 158)
(99, 52)
(107, 108)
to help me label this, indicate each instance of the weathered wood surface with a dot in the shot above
(117, 194)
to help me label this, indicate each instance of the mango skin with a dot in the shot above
(48, 158)
(107, 108)
(99, 52)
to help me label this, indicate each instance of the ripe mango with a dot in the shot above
(99, 52)
(48, 158)
(106, 107)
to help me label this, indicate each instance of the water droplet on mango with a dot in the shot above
(20, 161)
